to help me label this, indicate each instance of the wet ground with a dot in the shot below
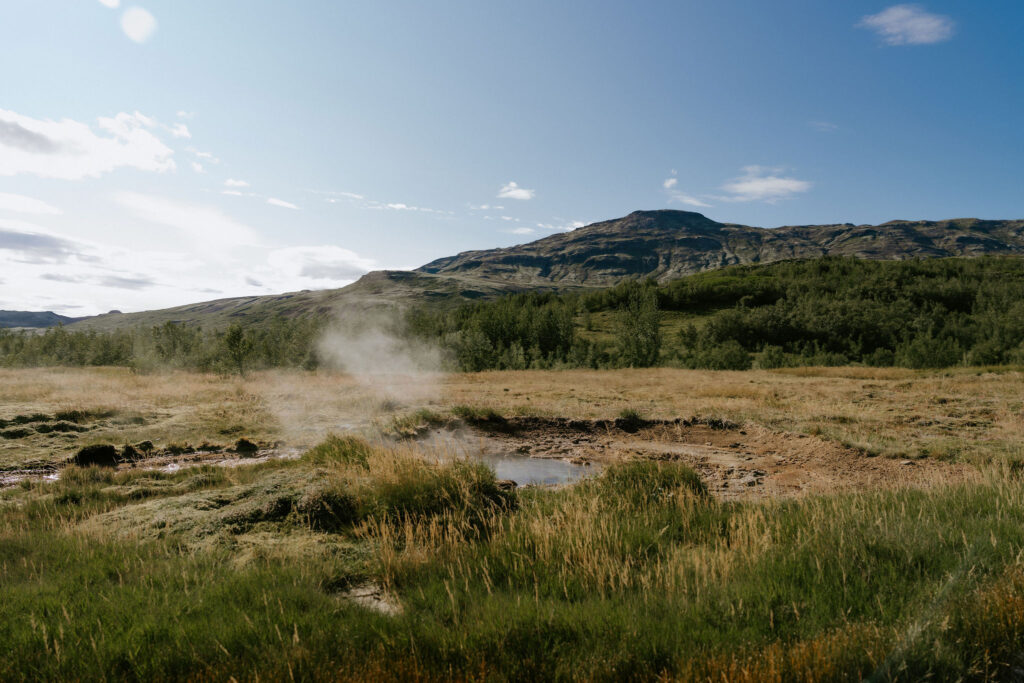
(735, 461)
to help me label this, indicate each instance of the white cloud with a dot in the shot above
(273, 201)
(207, 226)
(232, 182)
(909, 25)
(71, 150)
(22, 204)
(138, 24)
(513, 191)
(522, 231)
(198, 167)
(112, 4)
(232, 193)
(563, 227)
(670, 183)
(205, 156)
(332, 264)
(689, 200)
(759, 183)
(180, 130)
(823, 126)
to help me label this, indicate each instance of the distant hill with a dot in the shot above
(33, 319)
(664, 245)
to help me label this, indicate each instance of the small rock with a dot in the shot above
(906, 462)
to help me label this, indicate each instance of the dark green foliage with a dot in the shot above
(829, 311)
(532, 330)
(639, 331)
(278, 343)
(239, 345)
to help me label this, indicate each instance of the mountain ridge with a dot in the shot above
(662, 244)
(667, 244)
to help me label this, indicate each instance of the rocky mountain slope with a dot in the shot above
(669, 244)
(661, 244)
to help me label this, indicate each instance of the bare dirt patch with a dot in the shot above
(736, 461)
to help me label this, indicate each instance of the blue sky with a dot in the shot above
(176, 151)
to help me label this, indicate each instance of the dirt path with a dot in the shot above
(736, 461)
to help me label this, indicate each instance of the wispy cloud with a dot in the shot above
(112, 4)
(689, 200)
(118, 282)
(760, 183)
(909, 25)
(333, 264)
(206, 225)
(232, 182)
(71, 150)
(513, 191)
(274, 201)
(561, 227)
(22, 204)
(138, 24)
(179, 130)
(32, 246)
(522, 231)
(823, 126)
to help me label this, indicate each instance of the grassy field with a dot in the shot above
(364, 559)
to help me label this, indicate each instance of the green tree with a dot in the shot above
(639, 329)
(239, 345)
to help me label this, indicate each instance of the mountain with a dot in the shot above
(33, 319)
(669, 244)
(661, 244)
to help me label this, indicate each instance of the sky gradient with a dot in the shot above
(170, 152)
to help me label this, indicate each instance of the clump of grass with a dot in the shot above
(649, 482)
(477, 415)
(629, 420)
(344, 450)
(414, 424)
(328, 509)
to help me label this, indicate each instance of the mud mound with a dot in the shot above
(734, 460)
(102, 455)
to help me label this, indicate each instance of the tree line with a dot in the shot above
(829, 311)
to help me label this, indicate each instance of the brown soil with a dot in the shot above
(736, 461)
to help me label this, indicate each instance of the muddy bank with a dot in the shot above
(736, 461)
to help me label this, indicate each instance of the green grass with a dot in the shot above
(638, 573)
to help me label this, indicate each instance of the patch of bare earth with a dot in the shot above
(736, 461)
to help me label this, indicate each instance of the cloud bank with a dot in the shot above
(72, 150)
